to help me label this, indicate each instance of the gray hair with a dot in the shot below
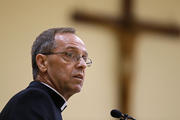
(45, 43)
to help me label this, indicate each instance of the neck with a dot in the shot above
(41, 77)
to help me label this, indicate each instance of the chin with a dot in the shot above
(78, 89)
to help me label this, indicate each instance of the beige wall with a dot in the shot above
(156, 86)
(158, 65)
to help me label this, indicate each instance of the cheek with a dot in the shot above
(63, 74)
(60, 72)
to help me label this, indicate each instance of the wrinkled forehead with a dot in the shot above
(68, 41)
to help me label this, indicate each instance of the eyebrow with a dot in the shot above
(75, 48)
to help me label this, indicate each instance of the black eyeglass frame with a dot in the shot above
(89, 63)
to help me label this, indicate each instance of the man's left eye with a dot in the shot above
(85, 58)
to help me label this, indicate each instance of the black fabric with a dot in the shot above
(36, 102)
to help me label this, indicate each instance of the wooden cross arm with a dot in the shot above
(96, 19)
(166, 29)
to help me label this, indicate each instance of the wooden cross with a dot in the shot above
(126, 28)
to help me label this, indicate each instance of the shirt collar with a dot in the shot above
(65, 102)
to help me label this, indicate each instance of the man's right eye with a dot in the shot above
(69, 54)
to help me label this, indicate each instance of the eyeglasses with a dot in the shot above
(71, 56)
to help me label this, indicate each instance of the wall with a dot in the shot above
(156, 84)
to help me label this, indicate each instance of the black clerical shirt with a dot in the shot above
(37, 102)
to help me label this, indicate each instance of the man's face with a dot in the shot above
(67, 76)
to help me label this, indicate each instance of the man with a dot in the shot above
(59, 60)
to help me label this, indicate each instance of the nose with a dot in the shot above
(81, 64)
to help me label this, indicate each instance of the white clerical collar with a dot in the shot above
(65, 103)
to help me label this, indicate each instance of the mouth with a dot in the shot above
(78, 76)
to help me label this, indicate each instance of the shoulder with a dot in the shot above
(31, 97)
(29, 103)
(31, 93)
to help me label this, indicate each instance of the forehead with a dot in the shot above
(66, 41)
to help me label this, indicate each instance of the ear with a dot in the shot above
(41, 61)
